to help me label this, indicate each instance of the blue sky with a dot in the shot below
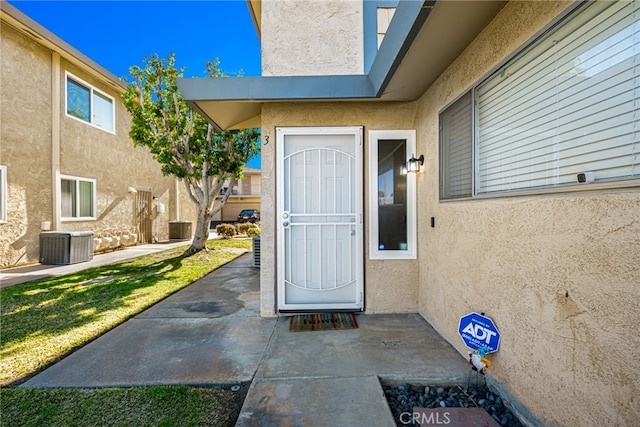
(118, 34)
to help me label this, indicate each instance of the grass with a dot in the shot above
(44, 320)
(137, 406)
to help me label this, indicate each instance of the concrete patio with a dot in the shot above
(211, 333)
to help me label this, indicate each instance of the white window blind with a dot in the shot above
(456, 148)
(569, 103)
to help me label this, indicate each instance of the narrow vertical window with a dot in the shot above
(392, 195)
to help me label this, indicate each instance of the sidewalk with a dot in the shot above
(26, 273)
(211, 333)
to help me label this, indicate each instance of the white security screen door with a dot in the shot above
(319, 219)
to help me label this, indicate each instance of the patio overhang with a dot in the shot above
(423, 39)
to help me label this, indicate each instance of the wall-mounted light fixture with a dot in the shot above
(131, 189)
(413, 164)
(155, 197)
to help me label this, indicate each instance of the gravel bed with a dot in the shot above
(405, 397)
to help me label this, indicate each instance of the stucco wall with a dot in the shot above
(233, 207)
(302, 37)
(26, 141)
(25, 135)
(115, 164)
(382, 295)
(558, 273)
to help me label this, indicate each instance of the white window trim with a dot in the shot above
(92, 89)
(374, 252)
(77, 179)
(3, 194)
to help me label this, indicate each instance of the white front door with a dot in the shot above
(319, 219)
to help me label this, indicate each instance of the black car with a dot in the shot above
(249, 215)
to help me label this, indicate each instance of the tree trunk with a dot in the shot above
(201, 233)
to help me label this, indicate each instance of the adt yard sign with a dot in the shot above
(478, 331)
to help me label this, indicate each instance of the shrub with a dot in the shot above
(253, 231)
(248, 228)
(227, 231)
(243, 227)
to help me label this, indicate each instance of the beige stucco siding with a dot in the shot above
(558, 273)
(234, 206)
(308, 37)
(112, 160)
(25, 142)
(38, 142)
(390, 286)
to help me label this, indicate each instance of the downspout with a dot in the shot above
(55, 140)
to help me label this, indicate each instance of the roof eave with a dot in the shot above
(407, 63)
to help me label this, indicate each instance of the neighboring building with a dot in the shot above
(66, 160)
(527, 205)
(245, 195)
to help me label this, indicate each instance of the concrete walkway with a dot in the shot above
(211, 333)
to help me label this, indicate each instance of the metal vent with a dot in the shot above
(256, 252)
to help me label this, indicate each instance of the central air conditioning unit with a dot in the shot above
(61, 248)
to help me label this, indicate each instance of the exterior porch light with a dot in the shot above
(413, 164)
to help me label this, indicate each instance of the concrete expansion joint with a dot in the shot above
(311, 378)
(266, 351)
(237, 267)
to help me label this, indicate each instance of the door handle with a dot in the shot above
(285, 224)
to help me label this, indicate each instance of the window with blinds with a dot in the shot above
(567, 104)
(77, 198)
(456, 149)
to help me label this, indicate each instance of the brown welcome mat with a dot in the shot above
(322, 322)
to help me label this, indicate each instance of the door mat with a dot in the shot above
(322, 322)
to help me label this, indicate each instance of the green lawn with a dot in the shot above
(137, 406)
(43, 320)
